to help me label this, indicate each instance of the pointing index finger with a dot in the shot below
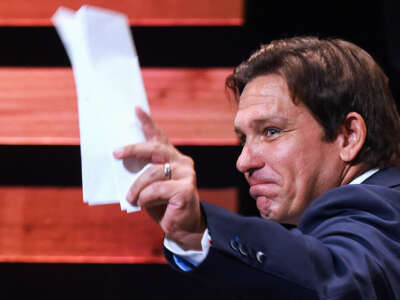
(150, 151)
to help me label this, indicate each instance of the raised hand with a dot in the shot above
(167, 189)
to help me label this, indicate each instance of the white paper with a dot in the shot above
(109, 86)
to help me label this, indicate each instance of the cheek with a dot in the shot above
(305, 153)
(289, 159)
(276, 159)
(295, 163)
(311, 166)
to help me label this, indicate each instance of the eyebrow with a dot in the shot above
(261, 121)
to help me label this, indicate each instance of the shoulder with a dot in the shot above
(357, 196)
(354, 206)
(376, 194)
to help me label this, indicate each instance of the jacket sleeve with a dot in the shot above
(345, 247)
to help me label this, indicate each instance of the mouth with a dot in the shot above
(268, 190)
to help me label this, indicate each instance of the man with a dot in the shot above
(316, 118)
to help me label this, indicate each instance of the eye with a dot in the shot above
(271, 131)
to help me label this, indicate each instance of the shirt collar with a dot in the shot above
(364, 176)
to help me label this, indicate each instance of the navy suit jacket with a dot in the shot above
(346, 246)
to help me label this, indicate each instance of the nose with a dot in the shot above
(249, 159)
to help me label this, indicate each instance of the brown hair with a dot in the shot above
(332, 78)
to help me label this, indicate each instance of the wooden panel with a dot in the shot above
(140, 12)
(38, 106)
(50, 224)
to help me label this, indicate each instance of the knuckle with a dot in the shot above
(159, 152)
(188, 160)
(153, 171)
(155, 190)
(190, 175)
(188, 187)
(152, 192)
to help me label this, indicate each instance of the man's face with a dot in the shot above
(284, 157)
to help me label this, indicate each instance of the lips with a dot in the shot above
(268, 190)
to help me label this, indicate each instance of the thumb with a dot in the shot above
(151, 131)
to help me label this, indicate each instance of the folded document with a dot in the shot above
(109, 85)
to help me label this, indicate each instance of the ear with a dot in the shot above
(352, 136)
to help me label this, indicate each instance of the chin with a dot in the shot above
(269, 214)
(265, 215)
(275, 216)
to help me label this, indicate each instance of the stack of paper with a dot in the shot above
(109, 86)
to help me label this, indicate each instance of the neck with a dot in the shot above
(351, 172)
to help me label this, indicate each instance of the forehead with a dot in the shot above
(267, 96)
(263, 87)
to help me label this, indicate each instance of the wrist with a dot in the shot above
(189, 240)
